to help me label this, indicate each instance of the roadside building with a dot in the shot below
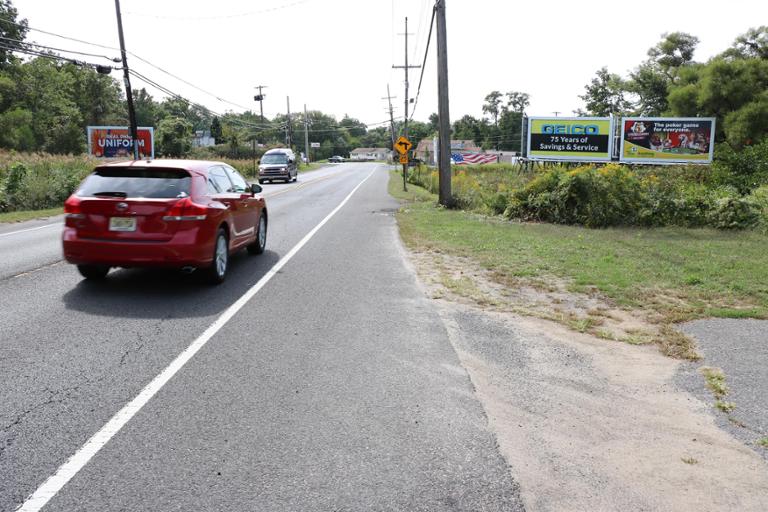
(370, 154)
(425, 150)
(202, 139)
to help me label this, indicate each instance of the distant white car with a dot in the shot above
(336, 159)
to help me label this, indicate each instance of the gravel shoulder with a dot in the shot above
(592, 424)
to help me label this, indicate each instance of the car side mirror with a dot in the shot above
(255, 188)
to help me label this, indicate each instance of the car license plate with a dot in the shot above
(122, 224)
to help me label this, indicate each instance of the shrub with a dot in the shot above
(592, 197)
(745, 170)
(735, 213)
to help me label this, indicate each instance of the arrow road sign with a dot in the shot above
(403, 145)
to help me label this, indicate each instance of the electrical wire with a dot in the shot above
(38, 45)
(424, 63)
(50, 56)
(27, 27)
(222, 17)
(217, 97)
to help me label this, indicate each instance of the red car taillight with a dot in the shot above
(72, 208)
(185, 209)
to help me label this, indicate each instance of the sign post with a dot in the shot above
(402, 146)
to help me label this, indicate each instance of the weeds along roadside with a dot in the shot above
(35, 184)
(670, 274)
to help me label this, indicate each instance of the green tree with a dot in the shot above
(12, 29)
(651, 86)
(751, 44)
(673, 52)
(492, 106)
(353, 127)
(606, 94)
(146, 108)
(517, 101)
(470, 128)
(173, 137)
(216, 132)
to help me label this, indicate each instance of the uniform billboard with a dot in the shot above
(667, 140)
(564, 139)
(115, 142)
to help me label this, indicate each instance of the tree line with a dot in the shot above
(731, 86)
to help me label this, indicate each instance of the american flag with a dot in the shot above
(473, 158)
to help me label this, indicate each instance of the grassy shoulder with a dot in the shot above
(9, 217)
(677, 274)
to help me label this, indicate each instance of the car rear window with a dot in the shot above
(136, 182)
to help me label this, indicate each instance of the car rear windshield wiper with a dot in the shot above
(111, 194)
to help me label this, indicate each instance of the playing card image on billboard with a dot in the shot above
(115, 142)
(564, 139)
(667, 140)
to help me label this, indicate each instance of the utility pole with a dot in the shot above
(391, 115)
(260, 98)
(127, 82)
(288, 126)
(405, 121)
(306, 132)
(444, 121)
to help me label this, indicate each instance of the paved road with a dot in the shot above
(740, 349)
(334, 388)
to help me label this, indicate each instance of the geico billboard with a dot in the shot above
(570, 138)
(115, 141)
(667, 140)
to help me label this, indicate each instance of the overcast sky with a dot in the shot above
(337, 55)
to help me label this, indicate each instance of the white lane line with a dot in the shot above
(76, 462)
(29, 229)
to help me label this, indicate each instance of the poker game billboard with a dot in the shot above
(115, 142)
(667, 140)
(564, 139)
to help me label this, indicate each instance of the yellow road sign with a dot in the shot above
(403, 145)
(404, 159)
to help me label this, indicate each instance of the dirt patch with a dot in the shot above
(586, 423)
(460, 279)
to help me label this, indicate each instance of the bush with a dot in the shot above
(735, 213)
(745, 170)
(592, 197)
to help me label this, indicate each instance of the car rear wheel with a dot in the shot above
(93, 272)
(216, 273)
(258, 245)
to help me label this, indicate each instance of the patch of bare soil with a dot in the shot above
(586, 423)
(459, 279)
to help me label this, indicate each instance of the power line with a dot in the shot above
(424, 63)
(222, 17)
(38, 45)
(50, 56)
(58, 35)
(219, 98)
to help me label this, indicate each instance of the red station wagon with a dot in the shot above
(163, 213)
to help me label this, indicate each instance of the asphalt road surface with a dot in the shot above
(332, 387)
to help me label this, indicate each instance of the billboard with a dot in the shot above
(115, 142)
(667, 140)
(564, 139)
